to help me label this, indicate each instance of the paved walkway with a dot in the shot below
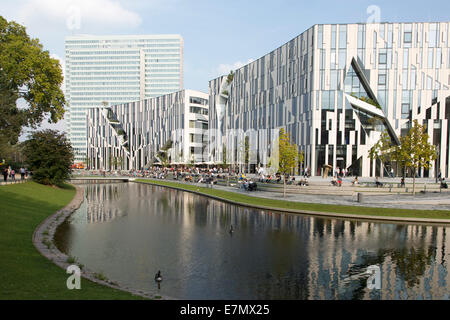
(426, 201)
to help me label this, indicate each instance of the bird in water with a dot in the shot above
(231, 229)
(158, 277)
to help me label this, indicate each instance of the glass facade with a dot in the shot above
(114, 70)
(334, 112)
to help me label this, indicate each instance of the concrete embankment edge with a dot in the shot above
(342, 216)
(45, 233)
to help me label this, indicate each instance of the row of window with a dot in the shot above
(163, 60)
(105, 73)
(163, 85)
(100, 63)
(99, 93)
(198, 125)
(104, 78)
(149, 65)
(110, 68)
(99, 100)
(106, 58)
(124, 40)
(198, 110)
(198, 100)
(124, 88)
(77, 84)
(86, 53)
(162, 70)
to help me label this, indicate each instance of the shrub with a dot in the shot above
(49, 156)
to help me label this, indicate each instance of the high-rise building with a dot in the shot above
(131, 135)
(335, 88)
(109, 70)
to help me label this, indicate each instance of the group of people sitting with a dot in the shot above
(302, 182)
(337, 181)
(249, 185)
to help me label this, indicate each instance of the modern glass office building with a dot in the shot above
(131, 135)
(116, 69)
(335, 89)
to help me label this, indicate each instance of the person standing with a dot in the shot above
(22, 173)
(13, 175)
(392, 172)
(5, 175)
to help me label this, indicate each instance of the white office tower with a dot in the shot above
(110, 70)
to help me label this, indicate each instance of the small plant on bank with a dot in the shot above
(100, 276)
(46, 242)
(71, 259)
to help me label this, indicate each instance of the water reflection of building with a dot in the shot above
(294, 256)
(412, 264)
(100, 200)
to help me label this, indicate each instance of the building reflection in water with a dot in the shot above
(101, 202)
(273, 255)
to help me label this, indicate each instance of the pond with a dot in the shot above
(129, 231)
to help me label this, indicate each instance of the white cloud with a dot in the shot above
(78, 15)
(224, 69)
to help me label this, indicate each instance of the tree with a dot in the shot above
(301, 159)
(26, 72)
(230, 77)
(288, 158)
(224, 155)
(384, 149)
(163, 153)
(49, 156)
(416, 151)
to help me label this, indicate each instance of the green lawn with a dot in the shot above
(282, 204)
(24, 272)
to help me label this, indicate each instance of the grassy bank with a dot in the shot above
(282, 204)
(24, 272)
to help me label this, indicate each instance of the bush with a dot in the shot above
(49, 156)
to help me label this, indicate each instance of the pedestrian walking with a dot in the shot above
(13, 175)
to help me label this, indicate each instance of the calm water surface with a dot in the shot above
(130, 231)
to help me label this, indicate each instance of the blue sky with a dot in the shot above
(218, 35)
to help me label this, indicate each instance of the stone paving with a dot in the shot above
(433, 199)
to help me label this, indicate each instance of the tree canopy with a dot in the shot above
(414, 151)
(26, 72)
(288, 157)
(49, 156)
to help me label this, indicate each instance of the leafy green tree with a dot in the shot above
(415, 150)
(384, 149)
(163, 153)
(230, 77)
(224, 156)
(49, 156)
(301, 159)
(26, 72)
(288, 157)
